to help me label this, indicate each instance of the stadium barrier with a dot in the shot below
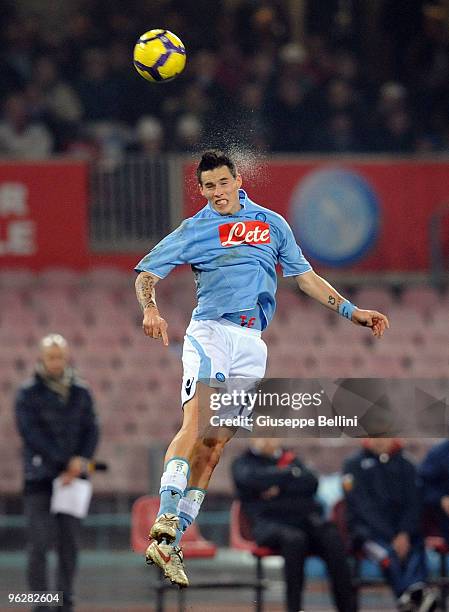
(345, 211)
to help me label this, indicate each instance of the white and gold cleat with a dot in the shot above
(164, 527)
(170, 559)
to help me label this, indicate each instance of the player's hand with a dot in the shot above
(371, 318)
(154, 326)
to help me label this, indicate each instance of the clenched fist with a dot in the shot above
(154, 325)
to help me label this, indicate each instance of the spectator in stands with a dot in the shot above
(20, 137)
(251, 124)
(277, 492)
(383, 515)
(58, 97)
(97, 90)
(286, 116)
(248, 41)
(149, 135)
(396, 134)
(434, 475)
(338, 135)
(53, 101)
(188, 133)
(56, 420)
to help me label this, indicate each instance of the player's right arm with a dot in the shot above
(153, 324)
(156, 265)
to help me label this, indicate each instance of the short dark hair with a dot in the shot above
(215, 159)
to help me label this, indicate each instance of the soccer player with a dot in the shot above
(233, 246)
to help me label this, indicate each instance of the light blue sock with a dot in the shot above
(188, 509)
(173, 483)
(169, 502)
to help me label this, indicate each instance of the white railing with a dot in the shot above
(134, 201)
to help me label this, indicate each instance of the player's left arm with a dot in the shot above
(319, 289)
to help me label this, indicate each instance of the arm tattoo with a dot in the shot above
(145, 291)
(335, 301)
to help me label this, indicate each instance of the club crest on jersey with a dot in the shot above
(244, 232)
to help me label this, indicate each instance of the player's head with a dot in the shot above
(219, 182)
(54, 354)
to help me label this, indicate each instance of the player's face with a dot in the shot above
(55, 360)
(221, 189)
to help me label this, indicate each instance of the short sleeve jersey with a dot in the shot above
(233, 258)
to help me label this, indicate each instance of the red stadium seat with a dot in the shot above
(240, 539)
(422, 299)
(377, 298)
(59, 276)
(338, 516)
(194, 546)
(144, 512)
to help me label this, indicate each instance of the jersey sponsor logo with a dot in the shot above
(244, 232)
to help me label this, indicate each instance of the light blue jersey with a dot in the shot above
(233, 258)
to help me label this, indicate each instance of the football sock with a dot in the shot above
(188, 509)
(173, 483)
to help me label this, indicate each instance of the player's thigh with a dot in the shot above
(250, 358)
(206, 356)
(197, 417)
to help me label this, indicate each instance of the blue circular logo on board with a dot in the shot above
(335, 216)
(220, 376)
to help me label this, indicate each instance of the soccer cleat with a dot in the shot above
(170, 559)
(164, 527)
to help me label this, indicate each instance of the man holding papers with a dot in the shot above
(56, 420)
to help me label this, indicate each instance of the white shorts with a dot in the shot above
(218, 351)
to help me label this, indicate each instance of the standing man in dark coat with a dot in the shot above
(56, 420)
(277, 493)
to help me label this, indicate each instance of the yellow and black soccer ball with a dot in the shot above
(159, 55)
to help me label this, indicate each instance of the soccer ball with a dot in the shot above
(159, 56)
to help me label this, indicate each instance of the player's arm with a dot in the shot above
(153, 324)
(319, 289)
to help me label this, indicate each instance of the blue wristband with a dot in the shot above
(346, 309)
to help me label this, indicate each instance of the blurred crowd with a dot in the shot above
(349, 77)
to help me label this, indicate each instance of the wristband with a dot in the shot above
(346, 309)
